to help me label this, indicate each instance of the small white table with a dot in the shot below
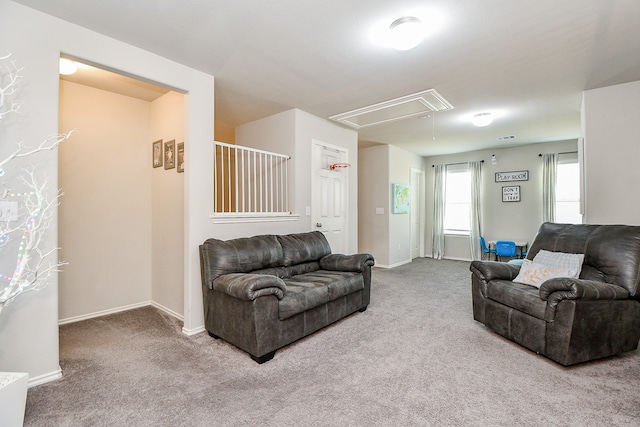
(521, 246)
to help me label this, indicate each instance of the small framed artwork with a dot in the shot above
(401, 198)
(157, 153)
(180, 165)
(511, 193)
(170, 154)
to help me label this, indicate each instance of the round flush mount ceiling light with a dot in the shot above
(67, 66)
(406, 33)
(482, 119)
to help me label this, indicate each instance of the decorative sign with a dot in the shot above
(511, 193)
(512, 176)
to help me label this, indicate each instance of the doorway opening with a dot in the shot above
(120, 222)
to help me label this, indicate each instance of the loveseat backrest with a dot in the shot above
(218, 257)
(304, 247)
(611, 252)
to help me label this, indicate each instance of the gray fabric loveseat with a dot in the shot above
(568, 320)
(264, 292)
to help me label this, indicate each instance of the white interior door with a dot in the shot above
(416, 214)
(329, 199)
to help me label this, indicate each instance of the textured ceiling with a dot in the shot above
(529, 60)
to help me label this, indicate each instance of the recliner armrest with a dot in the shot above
(249, 286)
(490, 270)
(564, 288)
(339, 262)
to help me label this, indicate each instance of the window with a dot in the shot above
(457, 208)
(568, 191)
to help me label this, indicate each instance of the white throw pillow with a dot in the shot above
(559, 259)
(534, 274)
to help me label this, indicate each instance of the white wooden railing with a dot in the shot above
(249, 182)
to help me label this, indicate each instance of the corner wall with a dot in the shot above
(105, 214)
(611, 152)
(167, 207)
(29, 326)
(387, 236)
(292, 132)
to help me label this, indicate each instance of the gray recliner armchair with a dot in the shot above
(568, 320)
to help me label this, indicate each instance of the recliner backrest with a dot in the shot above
(611, 252)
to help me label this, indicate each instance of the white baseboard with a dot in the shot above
(118, 310)
(457, 258)
(167, 310)
(190, 332)
(397, 264)
(45, 378)
(102, 313)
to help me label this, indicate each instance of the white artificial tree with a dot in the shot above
(23, 237)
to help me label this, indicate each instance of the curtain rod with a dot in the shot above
(459, 163)
(566, 152)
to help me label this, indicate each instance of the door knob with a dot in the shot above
(318, 224)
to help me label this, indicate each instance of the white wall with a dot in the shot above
(292, 132)
(310, 128)
(105, 215)
(400, 164)
(500, 220)
(29, 326)
(167, 207)
(386, 236)
(611, 154)
(373, 181)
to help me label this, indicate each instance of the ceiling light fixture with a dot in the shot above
(406, 33)
(482, 119)
(67, 66)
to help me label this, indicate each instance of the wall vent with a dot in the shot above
(417, 104)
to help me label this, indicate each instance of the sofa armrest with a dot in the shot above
(249, 286)
(558, 289)
(339, 262)
(568, 288)
(490, 270)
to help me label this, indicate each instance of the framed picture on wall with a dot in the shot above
(180, 165)
(170, 154)
(401, 198)
(157, 153)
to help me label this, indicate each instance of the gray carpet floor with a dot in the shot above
(415, 357)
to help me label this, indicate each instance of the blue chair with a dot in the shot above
(485, 250)
(505, 248)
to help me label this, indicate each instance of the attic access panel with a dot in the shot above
(413, 105)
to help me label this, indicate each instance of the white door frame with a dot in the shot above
(418, 175)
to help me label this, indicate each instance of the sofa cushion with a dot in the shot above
(303, 247)
(523, 298)
(338, 283)
(300, 297)
(241, 255)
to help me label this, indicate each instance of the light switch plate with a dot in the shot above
(8, 210)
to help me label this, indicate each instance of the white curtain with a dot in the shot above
(437, 249)
(549, 173)
(476, 212)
